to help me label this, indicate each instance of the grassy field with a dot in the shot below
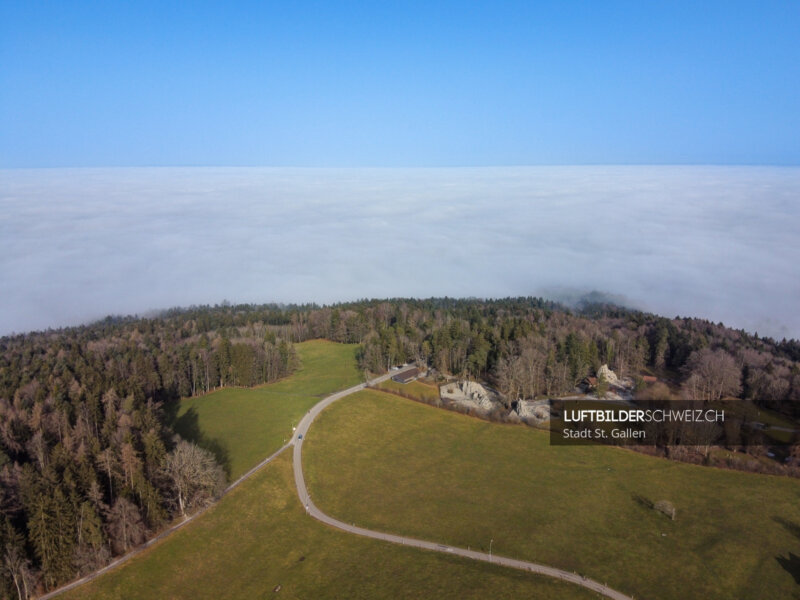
(395, 465)
(414, 389)
(259, 537)
(751, 412)
(243, 426)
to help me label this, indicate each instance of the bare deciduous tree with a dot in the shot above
(17, 565)
(125, 528)
(712, 375)
(194, 477)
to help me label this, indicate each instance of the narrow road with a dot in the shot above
(311, 509)
(302, 492)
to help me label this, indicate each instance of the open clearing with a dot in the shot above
(242, 426)
(390, 464)
(259, 537)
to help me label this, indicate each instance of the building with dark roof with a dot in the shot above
(407, 376)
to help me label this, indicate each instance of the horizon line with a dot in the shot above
(389, 167)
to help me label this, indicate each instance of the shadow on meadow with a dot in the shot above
(187, 426)
(790, 563)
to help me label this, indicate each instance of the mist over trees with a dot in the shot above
(90, 466)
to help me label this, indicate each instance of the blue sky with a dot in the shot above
(398, 84)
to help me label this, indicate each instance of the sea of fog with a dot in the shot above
(721, 243)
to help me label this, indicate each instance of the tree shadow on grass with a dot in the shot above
(789, 526)
(187, 426)
(642, 501)
(791, 564)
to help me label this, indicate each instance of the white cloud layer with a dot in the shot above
(721, 243)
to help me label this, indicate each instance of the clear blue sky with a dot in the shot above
(411, 84)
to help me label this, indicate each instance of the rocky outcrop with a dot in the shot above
(605, 373)
(534, 410)
(619, 389)
(471, 395)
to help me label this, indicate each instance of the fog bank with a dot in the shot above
(720, 243)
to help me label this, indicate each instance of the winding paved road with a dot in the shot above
(311, 509)
(302, 492)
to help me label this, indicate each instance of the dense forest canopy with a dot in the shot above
(89, 465)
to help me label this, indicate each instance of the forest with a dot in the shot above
(89, 464)
(89, 467)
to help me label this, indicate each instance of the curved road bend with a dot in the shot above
(302, 492)
(138, 550)
(311, 509)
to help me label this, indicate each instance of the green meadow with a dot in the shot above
(242, 426)
(391, 464)
(416, 390)
(258, 538)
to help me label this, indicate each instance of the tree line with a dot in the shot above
(89, 464)
(529, 348)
